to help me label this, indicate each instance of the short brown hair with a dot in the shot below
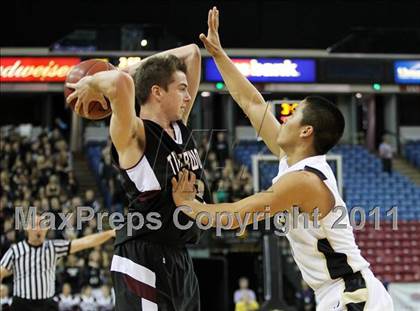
(327, 121)
(156, 70)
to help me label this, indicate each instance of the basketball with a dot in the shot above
(87, 68)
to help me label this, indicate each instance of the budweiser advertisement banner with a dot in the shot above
(36, 69)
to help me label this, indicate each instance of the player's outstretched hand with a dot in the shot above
(183, 189)
(85, 95)
(212, 41)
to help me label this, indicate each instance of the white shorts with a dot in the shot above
(333, 298)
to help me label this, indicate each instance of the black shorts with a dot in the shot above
(149, 277)
(20, 304)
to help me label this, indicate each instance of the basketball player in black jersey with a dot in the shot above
(151, 268)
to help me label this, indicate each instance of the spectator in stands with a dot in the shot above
(93, 273)
(221, 148)
(228, 169)
(214, 174)
(67, 301)
(222, 193)
(91, 201)
(105, 300)
(53, 187)
(386, 153)
(244, 298)
(243, 291)
(62, 126)
(108, 170)
(72, 272)
(7, 239)
(247, 304)
(211, 157)
(243, 175)
(71, 185)
(237, 192)
(5, 300)
(204, 148)
(87, 301)
(248, 190)
(55, 205)
(5, 188)
(75, 203)
(45, 204)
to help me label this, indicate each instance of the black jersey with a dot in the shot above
(148, 185)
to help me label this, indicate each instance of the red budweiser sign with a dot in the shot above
(36, 69)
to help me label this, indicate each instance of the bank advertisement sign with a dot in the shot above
(267, 70)
(407, 72)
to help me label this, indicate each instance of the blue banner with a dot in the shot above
(267, 70)
(407, 72)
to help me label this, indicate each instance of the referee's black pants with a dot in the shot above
(20, 304)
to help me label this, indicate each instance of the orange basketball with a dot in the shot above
(88, 68)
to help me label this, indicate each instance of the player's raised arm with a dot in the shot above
(118, 87)
(242, 91)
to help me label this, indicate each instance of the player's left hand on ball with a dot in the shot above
(183, 189)
(85, 95)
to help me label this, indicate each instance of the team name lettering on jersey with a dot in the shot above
(188, 159)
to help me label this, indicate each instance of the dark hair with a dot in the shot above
(327, 121)
(156, 70)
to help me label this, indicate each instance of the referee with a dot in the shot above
(33, 263)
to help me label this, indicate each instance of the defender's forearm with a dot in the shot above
(242, 91)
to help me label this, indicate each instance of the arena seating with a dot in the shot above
(365, 184)
(412, 152)
(393, 254)
(94, 157)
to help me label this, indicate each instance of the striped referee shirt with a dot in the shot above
(34, 267)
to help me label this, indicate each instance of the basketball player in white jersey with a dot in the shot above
(328, 257)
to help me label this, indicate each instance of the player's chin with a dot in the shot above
(282, 141)
(180, 114)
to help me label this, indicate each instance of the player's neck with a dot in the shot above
(296, 156)
(153, 113)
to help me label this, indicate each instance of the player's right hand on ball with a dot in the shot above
(183, 189)
(85, 95)
(212, 41)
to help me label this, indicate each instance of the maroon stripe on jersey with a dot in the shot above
(140, 289)
(147, 195)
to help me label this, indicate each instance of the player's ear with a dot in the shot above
(306, 131)
(156, 91)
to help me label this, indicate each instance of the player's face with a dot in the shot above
(177, 98)
(289, 132)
